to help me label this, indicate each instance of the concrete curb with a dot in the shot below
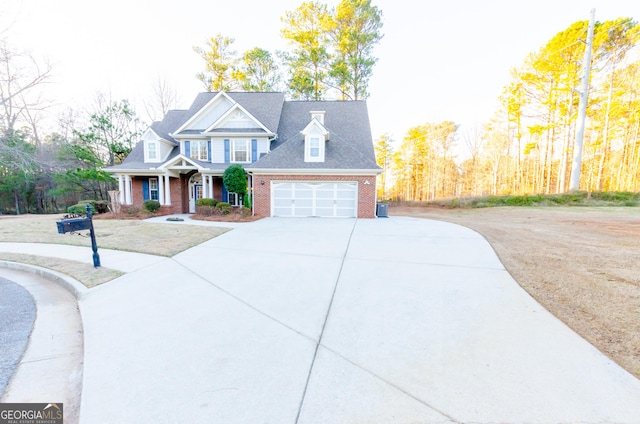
(68, 283)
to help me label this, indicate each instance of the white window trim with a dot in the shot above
(205, 151)
(237, 198)
(147, 156)
(232, 150)
(307, 148)
(156, 189)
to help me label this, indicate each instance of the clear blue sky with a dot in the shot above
(439, 60)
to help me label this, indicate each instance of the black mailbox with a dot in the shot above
(73, 224)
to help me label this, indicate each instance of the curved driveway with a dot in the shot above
(339, 321)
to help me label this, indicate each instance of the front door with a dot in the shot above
(195, 195)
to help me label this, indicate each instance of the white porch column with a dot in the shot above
(161, 189)
(167, 191)
(121, 188)
(127, 190)
(205, 186)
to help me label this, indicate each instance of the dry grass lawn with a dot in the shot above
(85, 273)
(128, 235)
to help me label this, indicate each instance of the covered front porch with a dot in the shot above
(176, 185)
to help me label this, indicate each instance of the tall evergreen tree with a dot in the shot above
(219, 61)
(307, 28)
(257, 71)
(356, 32)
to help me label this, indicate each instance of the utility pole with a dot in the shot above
(574, 184)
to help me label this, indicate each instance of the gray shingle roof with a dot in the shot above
(350, 144)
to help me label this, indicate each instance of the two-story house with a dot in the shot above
(303, 158)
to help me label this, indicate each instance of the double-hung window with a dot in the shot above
(153, 188)
(152, 151)
(199, 150)
(314, 147)
(240, 151)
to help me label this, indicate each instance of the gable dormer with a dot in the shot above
(315, 138)
(209, 113)
(156, 148)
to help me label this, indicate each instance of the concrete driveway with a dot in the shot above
(394, 320)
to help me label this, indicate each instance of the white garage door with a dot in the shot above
(321, 199)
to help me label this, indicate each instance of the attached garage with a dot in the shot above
(321, 199)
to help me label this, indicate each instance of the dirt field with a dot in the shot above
(581, 263)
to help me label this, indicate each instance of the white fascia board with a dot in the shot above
(134, 172)
(154, 135)
(314, 122)
(177, 159)
(306, 171)
(231, 110)
(183, 137)
(202, 110)
(238, 134)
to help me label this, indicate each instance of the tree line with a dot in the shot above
(527, 147)
(330, 56)
(43, 171)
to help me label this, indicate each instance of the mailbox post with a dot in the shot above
(71, 225)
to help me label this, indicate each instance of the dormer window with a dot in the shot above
(314, 147)
(151, 152)
(315, 137)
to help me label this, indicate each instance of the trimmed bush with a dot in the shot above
(151, 206)
(206, 202)
(81, 208)
(224, 208)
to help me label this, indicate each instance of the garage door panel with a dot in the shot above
(344, 204)
(325, 194)
(303, 212)
(299, 203)
(302, 199)
(282, 203)
(325, 212)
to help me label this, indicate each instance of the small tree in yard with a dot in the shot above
(235, 180)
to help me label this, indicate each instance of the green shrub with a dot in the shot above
(247, 201)
(151, 206)
(224, 208)
(206, 202)
(81, 208)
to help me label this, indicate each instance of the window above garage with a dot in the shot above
(315, 138)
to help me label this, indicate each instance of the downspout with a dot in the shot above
(250, 175)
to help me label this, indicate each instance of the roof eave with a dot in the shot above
(313, 171)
